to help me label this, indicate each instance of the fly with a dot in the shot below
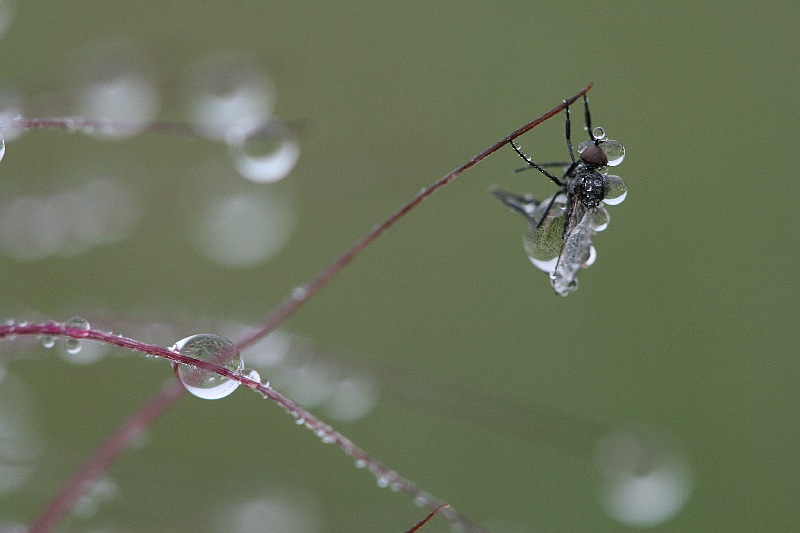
(560, 228)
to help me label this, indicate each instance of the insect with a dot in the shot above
(558, 239)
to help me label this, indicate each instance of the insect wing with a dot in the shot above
(577, 250)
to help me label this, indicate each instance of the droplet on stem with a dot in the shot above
(213, 349)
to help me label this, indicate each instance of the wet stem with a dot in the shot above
(124, 435)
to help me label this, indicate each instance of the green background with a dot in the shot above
(687, 324)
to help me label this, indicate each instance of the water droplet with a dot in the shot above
(254, 375)
(263, 153)
(600, 219)
(2, 147)
(543, 243)
(48, 341)
(382, 481)
(77, 322)
(360, 463)
(583, 146)
(616, 190)
(72, 346)
(599, 133)
(614, 151)
(213, 349)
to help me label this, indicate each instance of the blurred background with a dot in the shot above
(661, 395)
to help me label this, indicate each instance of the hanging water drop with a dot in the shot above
(48, 341)
(614, 151)
(599, 133)
(264, 153)
(213, 349)
(73, 346)
(616, 190)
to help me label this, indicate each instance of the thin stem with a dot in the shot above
(302, 294)
(184, 129)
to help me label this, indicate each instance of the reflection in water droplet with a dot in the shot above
(616, 190)
(263, 154)
(614, 151)
(77, 322)
(644, 479)
(543, 243)
(213, 349)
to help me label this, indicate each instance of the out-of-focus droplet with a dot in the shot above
(243, 230)
(2, 147)
(644, 478)
(213, 349)
(263, 153)
(113, 84)
(227, 90)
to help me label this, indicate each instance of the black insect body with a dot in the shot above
(558, 240)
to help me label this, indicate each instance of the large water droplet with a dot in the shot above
(614, 151)
(616, 190)
(543, 243)
(263, 153)
(213, 349)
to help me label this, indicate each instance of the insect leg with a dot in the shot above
(534, 165)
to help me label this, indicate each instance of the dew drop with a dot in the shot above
(77, 322)
(254, 375)
(599, 133)
(599, 220)
(213, 349)
(382, 481)
(72, 346)
(360, 463)
(616, 190)
(614, 151)
(543, 243)
(263, 153)
(48, 341)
